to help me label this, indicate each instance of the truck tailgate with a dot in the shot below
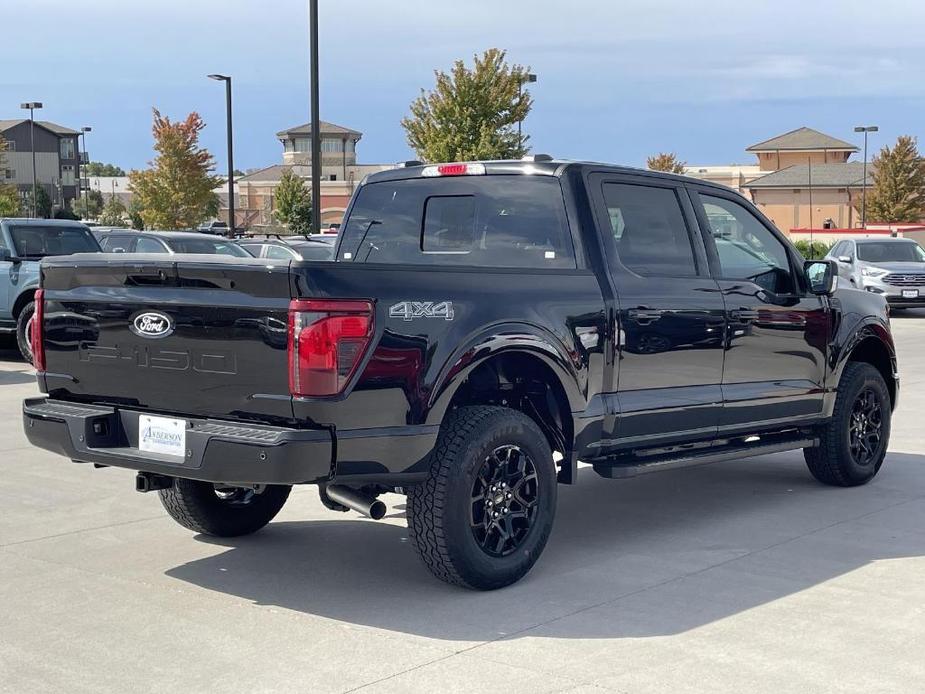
(203, 334)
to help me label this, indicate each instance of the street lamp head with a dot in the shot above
(31, 105)
(866, 129)
(220, 78)
(528, 77)
(86, 129)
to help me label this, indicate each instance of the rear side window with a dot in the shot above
(649, 231)
(513, 221)
(34, 241)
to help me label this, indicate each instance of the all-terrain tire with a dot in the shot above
(441, 511)
(832, 461)
(199, 507)
(23, 339)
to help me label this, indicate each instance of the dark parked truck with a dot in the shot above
(484, 327)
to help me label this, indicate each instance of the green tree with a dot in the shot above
(471, 114)
(666, 161)
(113, 214)
(42, 202)
(97, 168)
(9, 196)
(898, 191)
(176, 192)
(134, 215)
(293, 203)
(91, 207)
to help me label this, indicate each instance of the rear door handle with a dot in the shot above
(744, 314)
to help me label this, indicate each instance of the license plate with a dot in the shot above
(910, 293)
(162, 435)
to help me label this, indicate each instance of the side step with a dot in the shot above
(620, 469)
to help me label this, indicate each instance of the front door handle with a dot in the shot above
(643, 315)
(744, 315)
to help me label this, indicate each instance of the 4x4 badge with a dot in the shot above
(152, 324)
(409, 310)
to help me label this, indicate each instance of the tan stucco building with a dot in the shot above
(340, 174)
(801, 179)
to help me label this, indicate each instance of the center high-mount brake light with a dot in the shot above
(327, 341)
(35, 333)
(475, 169)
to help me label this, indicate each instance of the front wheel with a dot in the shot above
(482, 518)
(853, 443)
(220, 510)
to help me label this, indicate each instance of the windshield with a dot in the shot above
(35, 241)
(208, 246)
(895, 252)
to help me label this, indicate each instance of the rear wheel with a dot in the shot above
(221, 510)
(483, 517)
(23, 331)
(853, 443)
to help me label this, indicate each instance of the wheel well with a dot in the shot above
(21, 302)
(525, 383)
(872, 351)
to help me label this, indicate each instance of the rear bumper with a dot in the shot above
(217, 451)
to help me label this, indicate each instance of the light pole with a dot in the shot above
(865, 129)
(31, 106)
(316, 117)
(85, 164)
(227, 80)
(525, 78)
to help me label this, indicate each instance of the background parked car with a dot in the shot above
(315, 247)
(214, 227)
(23, 243)
(892, 267)
(126, 241)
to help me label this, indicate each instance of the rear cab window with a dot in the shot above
(514, 221)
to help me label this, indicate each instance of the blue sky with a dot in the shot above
(618, 79)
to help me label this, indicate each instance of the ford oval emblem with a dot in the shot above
(152, 324)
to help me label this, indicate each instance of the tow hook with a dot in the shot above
(149, 482)
(368, 506)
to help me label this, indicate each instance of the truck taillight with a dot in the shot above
(471, 169)
(327, 341)
(35, 334)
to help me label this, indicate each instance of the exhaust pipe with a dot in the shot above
(367, 505)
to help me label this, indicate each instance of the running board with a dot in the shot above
(623, 470)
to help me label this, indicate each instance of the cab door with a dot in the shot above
(670, 314)
(777, 332)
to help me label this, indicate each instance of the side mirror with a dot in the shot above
(822, 276)
(845, 259)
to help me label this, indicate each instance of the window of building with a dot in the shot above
(67, 148)
(649, 231)
(331, 145)
(9, 174)
(10, 146)
(67, 175)
(303, 144)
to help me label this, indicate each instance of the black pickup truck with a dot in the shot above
(483, 328)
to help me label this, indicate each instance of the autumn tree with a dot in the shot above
(666, 161)
(113, 214)
(293, 203)
(9, 196)
(471, 114)
(176, 192)
(898, 191)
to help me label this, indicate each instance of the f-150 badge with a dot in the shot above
(409, 310)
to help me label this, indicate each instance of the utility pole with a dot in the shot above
(31, 106)
(865, 129)
(227, 80)
(85, 164)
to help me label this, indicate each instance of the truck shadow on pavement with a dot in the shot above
(656, 555)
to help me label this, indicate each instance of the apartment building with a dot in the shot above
(57, 159)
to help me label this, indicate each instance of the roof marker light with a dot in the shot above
(475, 169)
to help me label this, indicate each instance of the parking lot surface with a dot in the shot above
(740, 576)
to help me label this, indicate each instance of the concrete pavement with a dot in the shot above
(742, 576)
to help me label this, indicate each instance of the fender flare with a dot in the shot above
(507, 338)
(844, 345)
